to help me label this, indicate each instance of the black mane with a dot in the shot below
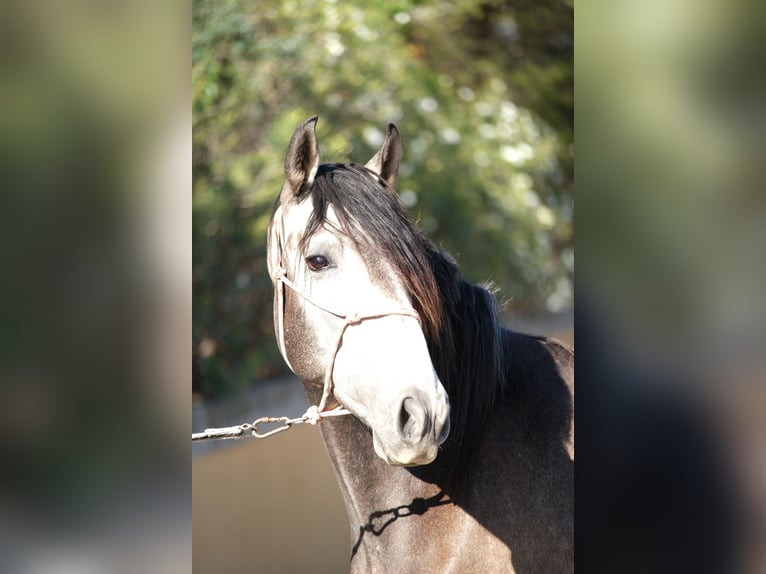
(468, 356)
(459, 319)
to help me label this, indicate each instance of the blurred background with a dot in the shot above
(95, 287)
(671, 320)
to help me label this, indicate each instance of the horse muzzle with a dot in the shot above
(419, 427)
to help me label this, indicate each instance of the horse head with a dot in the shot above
(359, 303)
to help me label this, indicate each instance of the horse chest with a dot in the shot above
(451, 542)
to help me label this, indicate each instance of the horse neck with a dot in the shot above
(387, 506)
(366, 481)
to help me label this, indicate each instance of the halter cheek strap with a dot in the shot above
(316, 413)
(279, 293)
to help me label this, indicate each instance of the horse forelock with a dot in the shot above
(370, 213)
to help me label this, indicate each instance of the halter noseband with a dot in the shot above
(316, 413)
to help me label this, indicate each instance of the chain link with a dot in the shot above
(312, 416)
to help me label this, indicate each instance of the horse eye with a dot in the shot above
(317, 262)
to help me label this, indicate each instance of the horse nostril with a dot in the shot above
(444, 433)
(413, 420)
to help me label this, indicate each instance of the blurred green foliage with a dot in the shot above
(482, 93)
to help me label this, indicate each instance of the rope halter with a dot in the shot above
(316, 413)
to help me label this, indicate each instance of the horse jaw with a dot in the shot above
(385, 377)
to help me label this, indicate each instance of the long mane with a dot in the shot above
(459, 319)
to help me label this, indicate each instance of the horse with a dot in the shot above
(458, 455)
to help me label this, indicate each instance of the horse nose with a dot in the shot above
(414, 422)
(420, 426)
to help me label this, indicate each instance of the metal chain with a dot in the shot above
(312, 416)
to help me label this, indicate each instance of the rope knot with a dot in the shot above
(312, 415)
(354, 318)
(279, 273)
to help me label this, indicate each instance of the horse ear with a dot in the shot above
(386, 162)
(302, 159)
